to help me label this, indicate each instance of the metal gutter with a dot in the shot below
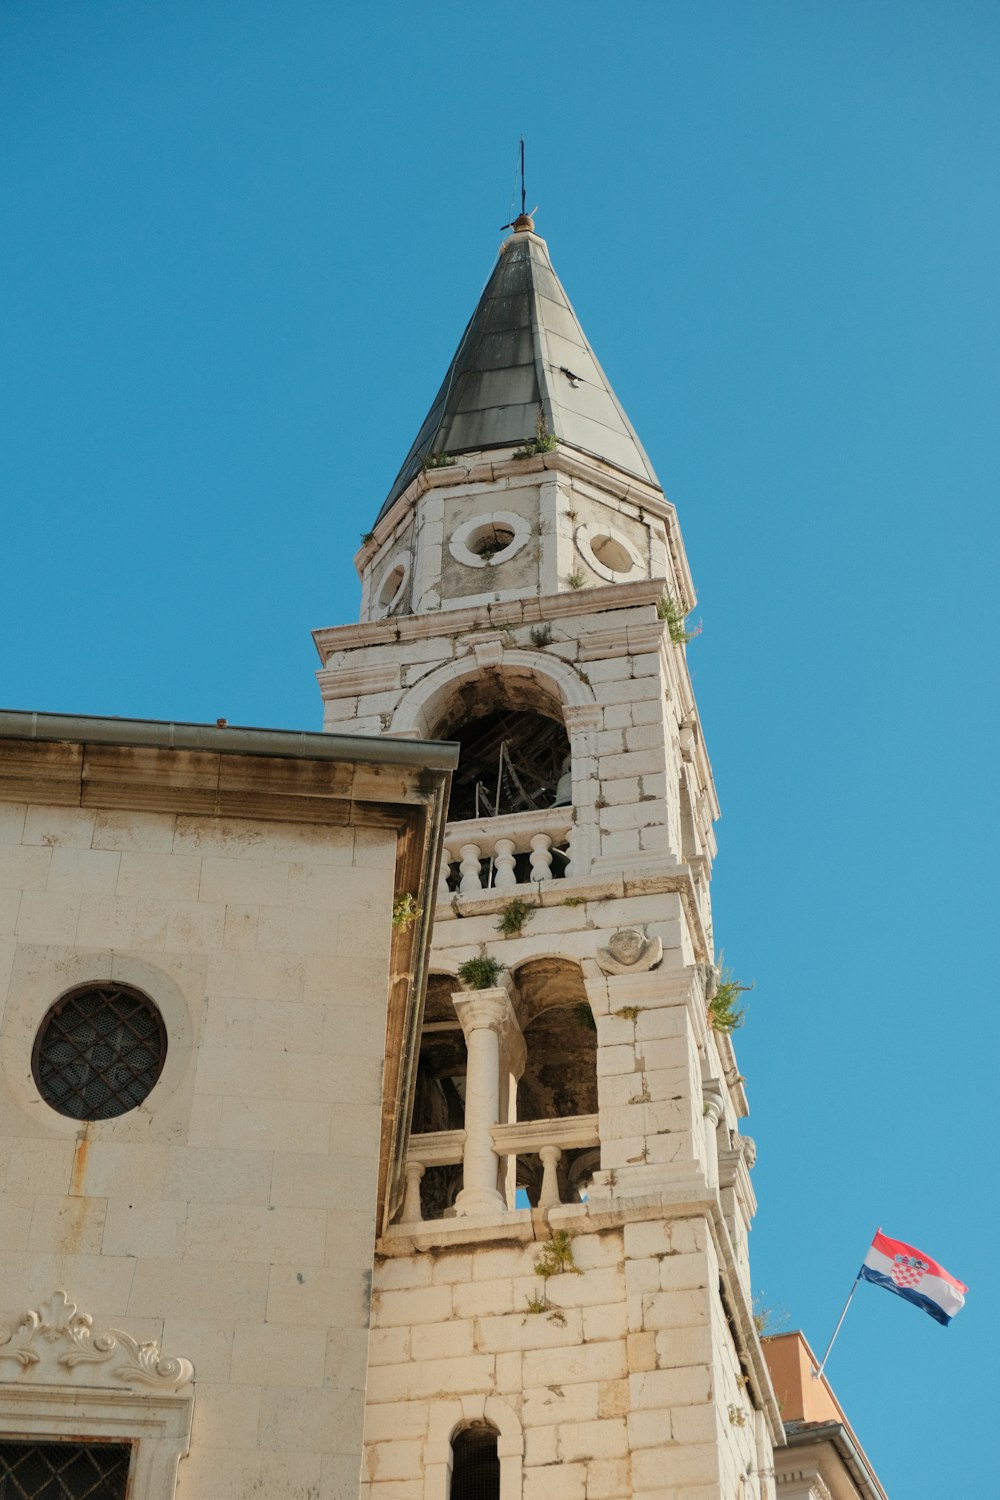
(840, 1435)
(436, 755)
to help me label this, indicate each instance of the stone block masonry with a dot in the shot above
(610, 1392)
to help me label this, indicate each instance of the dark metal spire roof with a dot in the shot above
(524, 353)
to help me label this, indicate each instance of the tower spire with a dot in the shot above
(523, 360)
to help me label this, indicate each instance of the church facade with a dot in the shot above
(211, 968)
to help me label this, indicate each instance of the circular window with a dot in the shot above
(99, 1052)
(609, 552)
(489, 540)
(393, 583)
(612, 554)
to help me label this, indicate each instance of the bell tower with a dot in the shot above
(562, 1298)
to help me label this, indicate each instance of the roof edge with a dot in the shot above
(164, 734)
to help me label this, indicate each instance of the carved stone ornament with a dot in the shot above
(630, 951)
(57, 1334)
(748, 1146)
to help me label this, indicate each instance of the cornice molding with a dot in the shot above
(454, 622)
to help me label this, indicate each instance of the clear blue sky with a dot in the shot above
(240, 241)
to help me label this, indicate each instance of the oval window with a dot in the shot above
(490, 540)
(611, 553)
(392, 585)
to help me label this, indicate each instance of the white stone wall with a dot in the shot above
(620, 683)
(625, 1383)
(231, 1217)
(643, 1375)
(570, 502)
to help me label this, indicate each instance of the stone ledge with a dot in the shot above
(398, 628)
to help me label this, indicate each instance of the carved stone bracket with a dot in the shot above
(57, 1333)
(630, 951)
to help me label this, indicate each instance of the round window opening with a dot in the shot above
(612, 554)
(99, 1052)
(392, 586)
(490, 540)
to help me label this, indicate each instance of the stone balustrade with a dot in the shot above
(517, 849)
(546, 1139)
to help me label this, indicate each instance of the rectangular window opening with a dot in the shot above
(63, 1471)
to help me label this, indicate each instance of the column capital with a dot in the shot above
(484, 1010)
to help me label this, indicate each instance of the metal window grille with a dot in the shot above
(99, 1052)
(475, 1473)
(63, 1471)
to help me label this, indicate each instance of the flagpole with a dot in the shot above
(822, 1364)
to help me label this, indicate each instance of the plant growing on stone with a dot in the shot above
(405, 911)
(437, 461)
(480, 973)
(543, 442)
(725, 1014)
(513, 917)
(541, 635)
(489, 548)
(767, 1320)
(536, 1304)
(674, 615)
(557, 1257)
(576, 580)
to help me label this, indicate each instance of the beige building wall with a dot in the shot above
(230, 1219)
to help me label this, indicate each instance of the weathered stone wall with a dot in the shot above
(618, 1381)
(642, 1376)
(230, 1217)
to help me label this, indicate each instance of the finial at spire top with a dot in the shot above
(524, 221)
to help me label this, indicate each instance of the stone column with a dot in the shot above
(549, 1196)
(713, 1105)
(412, 1210)
(484, 1015)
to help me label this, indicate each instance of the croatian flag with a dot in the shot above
(911, 1274)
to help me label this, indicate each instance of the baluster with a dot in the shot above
(549, 1195)
(504, 857)
(413, 1212)
(471, 883)
(568, 862)
(444, 894)
(541, 857)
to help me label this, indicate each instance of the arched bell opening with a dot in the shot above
(560, 1072)
(512, 761)
(439, 1092)
(439, 1095)
(475, 1470)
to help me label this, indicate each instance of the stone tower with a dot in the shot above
(562, 1298)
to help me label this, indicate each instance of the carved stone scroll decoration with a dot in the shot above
(630, 951)
(57, 1333)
